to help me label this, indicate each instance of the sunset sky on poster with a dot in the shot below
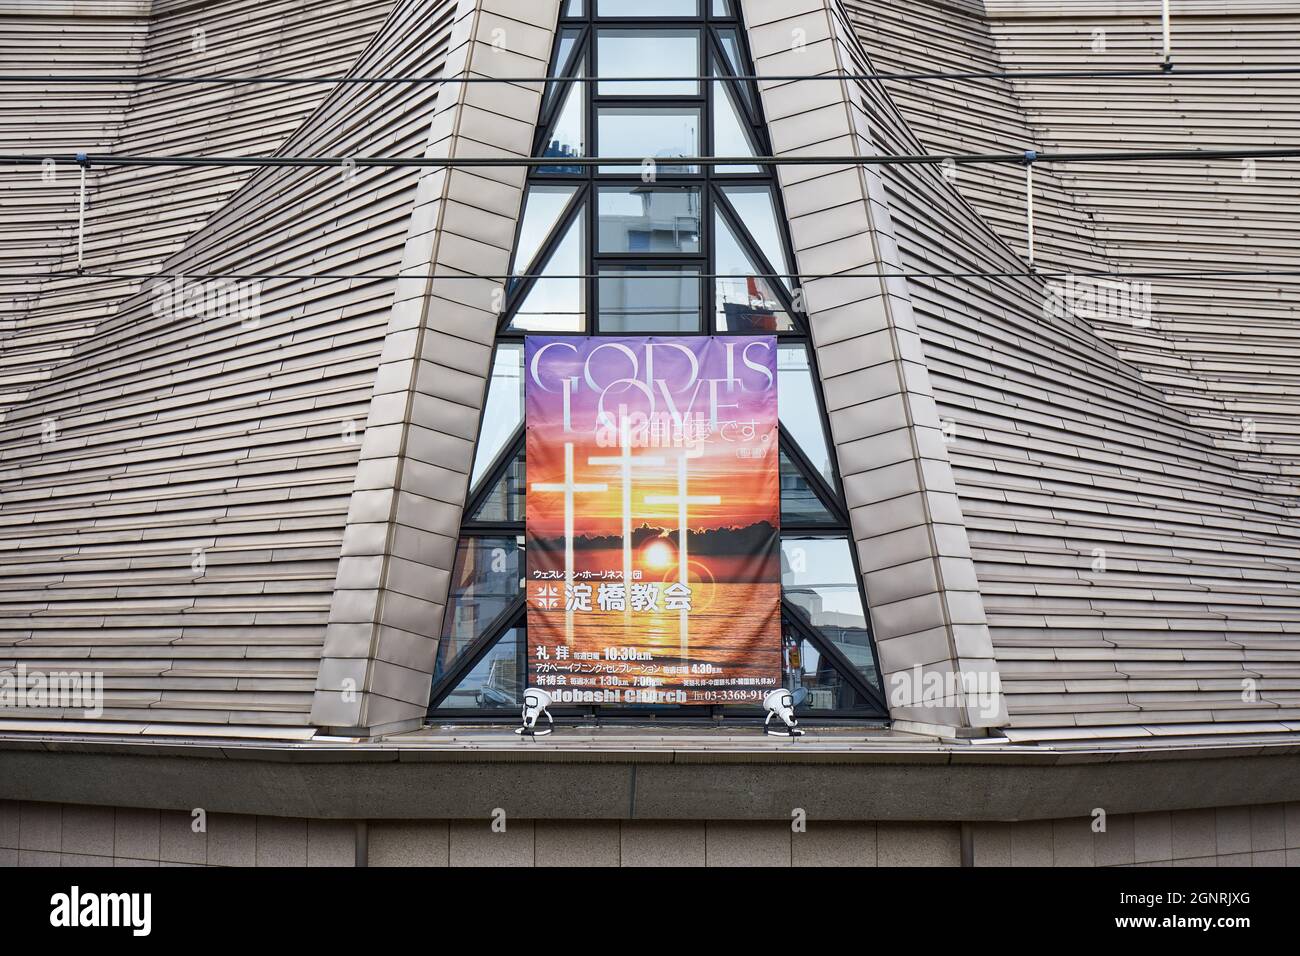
(745, 485)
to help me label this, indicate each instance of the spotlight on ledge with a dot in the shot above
(535, 703)
(780, 703)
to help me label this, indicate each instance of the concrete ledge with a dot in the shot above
(537, 783)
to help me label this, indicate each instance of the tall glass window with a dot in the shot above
(657, 244)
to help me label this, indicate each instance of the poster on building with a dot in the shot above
(653, 551)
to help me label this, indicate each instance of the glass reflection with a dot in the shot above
(557, 301)
(639, 8)
(744, 302)
(542, 210)
(568, 136)
(730, 137)
(756, 209)
(637, 299)
(504, 410)
(494, 681)
(730, 40)
(815, 684)
(659, 53)
(568, 39)
(799, 410)
(505, 502)
(818, 577)
(648, 219)
(484, 582)
(645, 132)
(800, 504)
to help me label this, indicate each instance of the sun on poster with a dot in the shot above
(653, 551)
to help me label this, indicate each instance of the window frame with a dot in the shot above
(713, 60)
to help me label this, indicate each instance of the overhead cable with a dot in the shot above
(917, 77)
(660, 162)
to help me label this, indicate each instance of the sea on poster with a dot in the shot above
(653, 552)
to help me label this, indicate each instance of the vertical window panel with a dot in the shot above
(568, 39)
(568, 136)
(658, 53)
(494, 681)
(799, 410)
(730, 135)
(636, 299)
(503, 412)
(815, 682)
(648, 219)
(729, 40)
(756, 208)
(744, 302)
(800, 504)
(557, 302)
(504, 503)
(818, 577)
(485, 582)
(542, 210)
(662, 133)
(639, 8)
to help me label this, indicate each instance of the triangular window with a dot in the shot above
(802, 502)
(747, 302)
(492, 681)
(503, 413)
(555, 299)
(730, 138)
(566, 138)
(543, 208)
(502, 501)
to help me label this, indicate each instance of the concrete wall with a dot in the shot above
(50, 834)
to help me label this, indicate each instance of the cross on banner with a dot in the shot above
(626, 461)
(683, 501)
(568, 488)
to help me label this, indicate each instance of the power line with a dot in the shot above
(616, 273)
(923, 77)
(663, 163)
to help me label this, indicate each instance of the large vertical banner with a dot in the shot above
(653, 549)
